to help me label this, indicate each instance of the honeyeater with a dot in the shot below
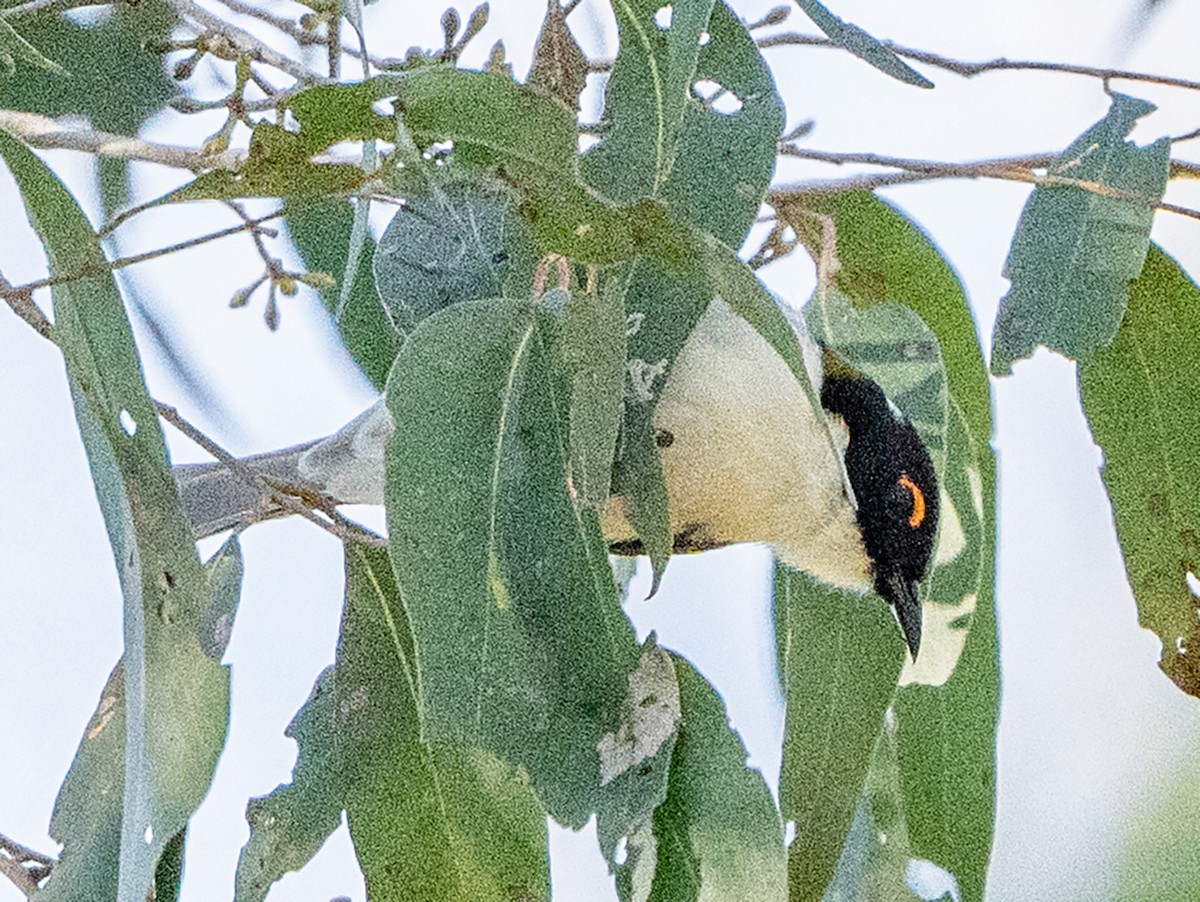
(745, 456)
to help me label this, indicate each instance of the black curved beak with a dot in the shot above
(904, 595)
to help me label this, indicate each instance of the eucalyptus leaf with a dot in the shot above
(460, 241)
(522, 648)
(594, 345)
(320, 229)
(725, 156)
(431, 822)
(946, 734)
(289, 824)
(646, 96)
(15, 46)
(173, 699)
(1139, 397)
(1078, 246)
(718, 833)
(866, 48)
(840, 655)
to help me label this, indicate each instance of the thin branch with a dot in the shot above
(21, 303)
(318, 509)
(1017, 169)
(930, 168)
(242, 41)
(969, 69)
(24, 867)
(7, 291)
(50, 134)
(336, 524)
(296, 32)
(23, 853)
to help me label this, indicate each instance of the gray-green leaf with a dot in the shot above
(1077, 248)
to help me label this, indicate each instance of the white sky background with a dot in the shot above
(1087, 723)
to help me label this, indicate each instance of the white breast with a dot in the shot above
(747, 459)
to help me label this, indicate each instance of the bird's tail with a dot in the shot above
(217, 497)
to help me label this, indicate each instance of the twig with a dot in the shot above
(21, 303)
(242, 41)
(926, 167)
(297, 33)
(332, 522)
(339, 526)
(8, 291)
(24, 867)
(970, 69)
(50, 134)
(1018, 169)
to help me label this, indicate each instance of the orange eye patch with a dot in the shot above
(918, 498)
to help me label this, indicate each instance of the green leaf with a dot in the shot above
(457, 241)
(946, 735)
(635, 761)
(117, 77)
(278, 165)
(430, 822)
(664, 132)
(718, 835)
(168, 875)
(840, 655)
(1138, 394)
(1077, 249)
(646, 96)
(175, 698)
(289, 824)
(13, 45)
(594, 345)
(663, 305)
(866, 48)
(320, 228)
(725, 152)
(521, 646)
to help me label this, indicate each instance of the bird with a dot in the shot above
(745, 457)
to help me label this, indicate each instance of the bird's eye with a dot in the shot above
(917, 517)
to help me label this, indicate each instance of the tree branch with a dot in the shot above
(1017, 169)
(24, 867)
(50, 134)
(971, 69)
(9, 292)
(242, 41)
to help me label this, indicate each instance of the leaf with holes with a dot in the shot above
(646, 96)
(718, 835)
(173, 697)
(1077, 247)
(726, 145)
(289, 824)
(1139, 394)
(946, 735)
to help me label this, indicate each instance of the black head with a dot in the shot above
(896, 488)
